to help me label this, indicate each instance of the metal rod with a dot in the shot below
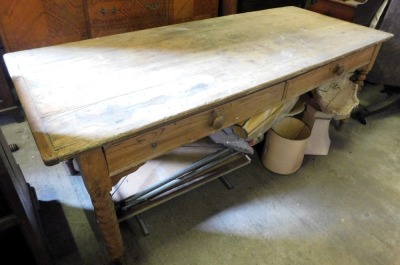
(142, 225)
(235, 163)
(227, 184)
(185, 170)
(176, 182)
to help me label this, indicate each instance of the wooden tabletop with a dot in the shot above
(85, 94)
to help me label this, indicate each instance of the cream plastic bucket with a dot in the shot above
(285, 145)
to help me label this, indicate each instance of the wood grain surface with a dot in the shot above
(83, 95)
(38, 23)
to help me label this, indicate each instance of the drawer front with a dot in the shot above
(314, 78)
(118, 16)
(136, 150)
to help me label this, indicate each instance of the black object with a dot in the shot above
(13, 147)
(22, 240)
(386, 68)
(254, 5)
(392, 100)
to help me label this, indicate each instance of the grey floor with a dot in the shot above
(343, 208)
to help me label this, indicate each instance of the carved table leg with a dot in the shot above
(94, 171)
(360, 77)
(362, 73)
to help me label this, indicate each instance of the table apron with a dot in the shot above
(316, 77)
(136, 150)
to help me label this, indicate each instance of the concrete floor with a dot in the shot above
(343, 208)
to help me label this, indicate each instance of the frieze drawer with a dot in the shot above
(314, 78)
(131, 152)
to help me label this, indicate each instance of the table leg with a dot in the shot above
(94, 171)
(362, 73)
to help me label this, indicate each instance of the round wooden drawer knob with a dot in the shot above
(218, 122)
(340, 69)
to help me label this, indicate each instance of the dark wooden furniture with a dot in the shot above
(254, 5)
(38, 23)
(344, 10)
(360, 12)
(8, 102)
(111, 17)
(21, 234)
(229, 7)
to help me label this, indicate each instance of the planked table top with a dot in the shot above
(85, 94)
